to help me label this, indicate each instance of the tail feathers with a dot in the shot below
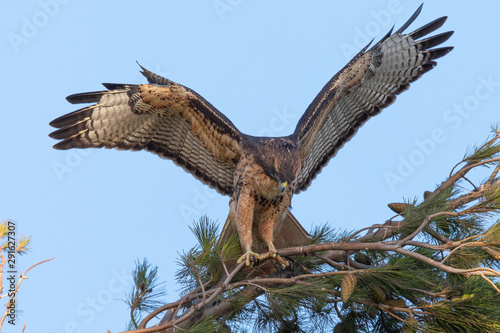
(288, 232)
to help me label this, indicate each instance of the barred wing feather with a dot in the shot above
(366, 85)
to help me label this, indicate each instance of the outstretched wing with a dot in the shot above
(366, 85)
(162, 117)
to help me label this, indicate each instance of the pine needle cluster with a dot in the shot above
(146, 292)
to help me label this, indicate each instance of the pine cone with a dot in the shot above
(362, 258)
(378, 294)
(399, 207)
(347, 286)
(400, 303)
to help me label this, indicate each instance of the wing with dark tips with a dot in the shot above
(366, 85)
(162, 117)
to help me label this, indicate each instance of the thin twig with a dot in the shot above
(442, 293)
(249, 283)
(383, 308)
(332, 263)
(423, 225)
(201, 285)
(490, 282)
(371, 228)
(339, 314)
(493, 174)
(225, 267)
(471, 244)
(470, 182)
(459, 174)
(304, 268)
(16, 289)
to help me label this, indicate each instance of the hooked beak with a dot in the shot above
(283, 186)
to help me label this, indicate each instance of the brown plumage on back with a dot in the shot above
(260, 174)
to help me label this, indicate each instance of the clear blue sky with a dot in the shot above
(259, 62)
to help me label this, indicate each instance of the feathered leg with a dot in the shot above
(244, 220)
(266, 229)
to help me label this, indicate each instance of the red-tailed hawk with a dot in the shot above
(260, 174)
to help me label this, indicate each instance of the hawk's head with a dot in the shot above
(279, 158)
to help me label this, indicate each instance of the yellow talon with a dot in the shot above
(283, 263)
(253, 259)
(275, 255)
(250, 257)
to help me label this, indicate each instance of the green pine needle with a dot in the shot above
(205, 231)
(146, 291)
